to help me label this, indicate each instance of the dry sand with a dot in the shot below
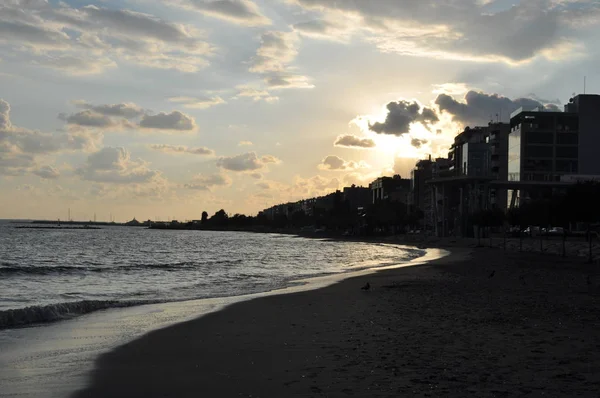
(494, 324)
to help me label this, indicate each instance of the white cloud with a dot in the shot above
(255, 94)
(114, 165)
(273, 58)
(20, 147)
(241, 12)
(182, 149)
(198, 102)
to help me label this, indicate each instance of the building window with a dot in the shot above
(567, 139)
(534, 137)
(536, 151)
(566, 166)
(566, 152)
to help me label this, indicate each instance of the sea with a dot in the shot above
(52, 274)
(69, 295)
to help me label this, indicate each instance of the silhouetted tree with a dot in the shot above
(204, 217)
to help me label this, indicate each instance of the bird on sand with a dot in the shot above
(367, 286)
(492, 274)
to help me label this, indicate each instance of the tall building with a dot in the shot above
(549, 146)
(498, 139)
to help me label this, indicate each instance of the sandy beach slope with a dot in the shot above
(490, 324)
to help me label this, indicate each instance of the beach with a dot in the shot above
(480, 322)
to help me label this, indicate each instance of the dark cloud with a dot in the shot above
(242, 12)
(206, 182)
(179, 149)
(169, 121)
(401, 115)
(126, 110)
(47, 172)
(480, 108)
(90, 39)
(336, 163)
(246, 162)
(468, 29)
(31, 34)
(89, 119)
(418, 143)
(352, 141)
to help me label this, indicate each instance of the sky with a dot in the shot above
(162, 109)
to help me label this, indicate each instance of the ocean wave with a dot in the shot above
(55, 312)
(11, 269)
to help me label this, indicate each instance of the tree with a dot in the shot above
(204, 217)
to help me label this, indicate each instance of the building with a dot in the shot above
(357, 197)
(395, 189)
(498, 140)
(550, 146)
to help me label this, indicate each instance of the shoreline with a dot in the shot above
(473, 323)
(104, 331)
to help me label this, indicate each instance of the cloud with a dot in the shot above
(89, 118)
(255, 94)
(417, 142)
(241, 12)
(20, 147)
(47, 172)
(124, 110)
(401, 115)
(328, 29)
(276, 51)
(245, 143)
(124, 115)
(352, 141)
(479, 108)
(282, 81)
(114, 165)
(469, 30)
(181, 149)
(273, 58)
(246, 162)
(336, 163)
(198, 102)
(206, 182)
(4, 115)
(168, 121)
(91, 39)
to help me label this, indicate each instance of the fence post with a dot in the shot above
(520, 240)
(590, 257)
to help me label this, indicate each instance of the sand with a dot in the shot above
(492, 324)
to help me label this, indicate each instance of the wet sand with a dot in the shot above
(491, 324)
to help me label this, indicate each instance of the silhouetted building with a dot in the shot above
(357, 197)
(395, 189)
(498, 139)
(551, 146)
